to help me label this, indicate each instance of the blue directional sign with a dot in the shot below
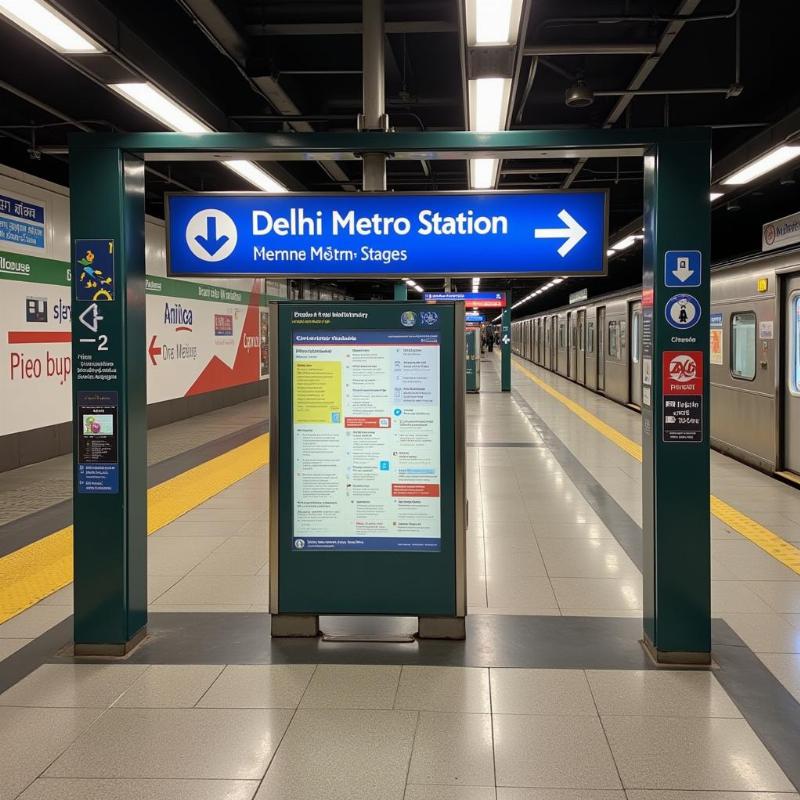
(475, 318)
(389, 235)
(483, 299)
(683, 268)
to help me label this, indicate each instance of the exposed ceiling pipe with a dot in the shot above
(685, 8)
(619, 49)
(81, 126)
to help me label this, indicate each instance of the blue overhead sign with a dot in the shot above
(391, 235)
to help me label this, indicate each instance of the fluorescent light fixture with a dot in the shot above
(610, 252)
(48, 26)
(257, 176)
(715, 196)
(492, 21)
(557, 280)
(624, 244)
(762, 165)
(158, 105)
(488, 103)
(482, 172)
(155, 103)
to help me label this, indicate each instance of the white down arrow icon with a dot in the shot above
(572, 234)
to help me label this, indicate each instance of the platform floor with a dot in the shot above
(550, 697)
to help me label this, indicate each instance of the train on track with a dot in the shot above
(754, 355)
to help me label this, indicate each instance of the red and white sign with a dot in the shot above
(368, 422)
(683, 372)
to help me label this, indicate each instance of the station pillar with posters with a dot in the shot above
(505, 350)
(109, 401)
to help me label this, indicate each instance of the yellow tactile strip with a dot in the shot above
(762, 537)
(33, 572)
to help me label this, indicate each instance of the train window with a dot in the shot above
(743, 345)
(590, 337)
(612, 339)
(636, 322)
(562, 335)
(794, 343)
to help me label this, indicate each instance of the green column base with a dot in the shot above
(676, 658)
(114, 650)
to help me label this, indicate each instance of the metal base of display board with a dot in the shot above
(294, 625)
(110, 650)
(442, 628)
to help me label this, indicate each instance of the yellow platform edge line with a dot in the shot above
(772, 544)
(35, 571)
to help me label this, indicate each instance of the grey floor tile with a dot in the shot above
(686, 753)
(624, 594)
(258, 686)
(199, 743)
(342, 755)
(9, 646)
(419, 792)
(444, 689)
(172, 555)
(217, 590)
(346, 686)
(453, 749)
(541, 691)
(664, 794)
(736, 596)
(587, 558)
(530, 594)
(32, 737)
(239, 555)
(560, 794)
(73, 685)
(786, 668)
(552, 752)
(781, 596)
(765, 633)
(170, 686)
(660, 693)
(33, 622)
(128, 789)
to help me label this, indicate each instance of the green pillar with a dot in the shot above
(675, 404)
(505, 350)
(109, 399)
(400, 291)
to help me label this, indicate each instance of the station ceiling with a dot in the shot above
(272, 65)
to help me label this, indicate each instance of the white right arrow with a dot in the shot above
(683, 272)
(572, 234)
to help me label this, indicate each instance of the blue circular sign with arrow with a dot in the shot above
(682, 311)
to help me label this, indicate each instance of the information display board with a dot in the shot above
(367, 458)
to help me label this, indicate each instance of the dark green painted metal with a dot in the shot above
(675, 479)
(400, 291)
(472, 351)
(505, 350)
(109, 550)
(357, 582)
(110, 530)
(433, 143)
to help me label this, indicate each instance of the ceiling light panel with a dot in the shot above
(43, 22)
(492, 22)
(763, 165)
(159, 106)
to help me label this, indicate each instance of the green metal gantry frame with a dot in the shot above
(107, 201)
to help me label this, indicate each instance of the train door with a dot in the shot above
(601, 349)
(570, 345)
(580, 366)
(553, 343)
(635, 371)
(546, 325)
(791, 391)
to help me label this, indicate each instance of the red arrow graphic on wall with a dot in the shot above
(153, 351)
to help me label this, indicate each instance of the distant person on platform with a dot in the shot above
(490, 340)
